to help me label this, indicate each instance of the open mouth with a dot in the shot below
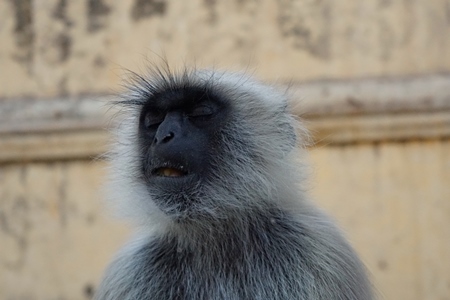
(169, 172)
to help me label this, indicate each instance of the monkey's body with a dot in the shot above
(272, 257)
(235, 227)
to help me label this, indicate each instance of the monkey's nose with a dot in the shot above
(163, 138)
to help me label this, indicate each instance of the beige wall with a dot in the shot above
(55, 237)
(371, 77)
(392, 199)
(69, 47)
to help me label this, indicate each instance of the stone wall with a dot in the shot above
(61, 47)
(371, 78)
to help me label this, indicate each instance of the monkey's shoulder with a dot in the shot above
(272, 260)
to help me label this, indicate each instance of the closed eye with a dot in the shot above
(153, 119)
(201, 111)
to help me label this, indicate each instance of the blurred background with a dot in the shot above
(371, 78)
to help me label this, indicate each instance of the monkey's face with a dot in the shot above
(178, 132)
(209, 144)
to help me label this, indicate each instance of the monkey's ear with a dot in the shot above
(288, 130)
(292, 138)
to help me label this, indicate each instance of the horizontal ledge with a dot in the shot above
(379, 128)
(57, 114)
(336, 112)
(86, 144)
(372, 96)
(334, 130)
(316, 99)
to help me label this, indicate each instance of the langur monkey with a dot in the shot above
(206, 166)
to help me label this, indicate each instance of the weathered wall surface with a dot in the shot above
(55, 237)
(372, 78)
(71, 47)
(392, 199)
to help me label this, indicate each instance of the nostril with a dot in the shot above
(168, 137)
(160, 139)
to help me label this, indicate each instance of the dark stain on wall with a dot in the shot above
(306, 26)
(355, 103)
(90, 218)
(212, 12)
(97, 13)
(62, 87)
(23, 175)
(60, 13)
(64, 44)
(99, 61)
(447, 11)
(23, 32)
(384, 3)
(383, 265)
(88, 291)
(387, 40)
(62, 197)
(15, 224)
(148, 8)
(62, 40)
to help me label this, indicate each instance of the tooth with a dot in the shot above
(167, 172)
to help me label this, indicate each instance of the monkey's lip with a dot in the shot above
(169, 172)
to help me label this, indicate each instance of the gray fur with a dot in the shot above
(252, 233)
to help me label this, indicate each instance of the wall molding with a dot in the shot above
(372, 96)
(336, 112)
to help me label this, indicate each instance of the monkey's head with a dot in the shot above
(203, 145)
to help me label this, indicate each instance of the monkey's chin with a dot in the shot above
(174, 195)
(173, 184)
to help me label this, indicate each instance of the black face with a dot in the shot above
(178, 132)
